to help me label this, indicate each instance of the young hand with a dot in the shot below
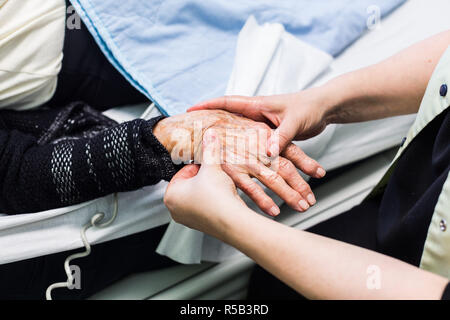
(199, 197)
(297, 116)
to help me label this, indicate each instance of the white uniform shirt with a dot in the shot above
(31, 43)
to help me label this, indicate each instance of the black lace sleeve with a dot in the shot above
(77, 156)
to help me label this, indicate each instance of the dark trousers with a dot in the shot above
(86, 75)
(356, 226)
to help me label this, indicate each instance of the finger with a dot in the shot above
(282, 137)
(277, 184)
(187, 172)
(306, 164)
(211, 157)
(290, 174)
(248, 106)
(253, 191)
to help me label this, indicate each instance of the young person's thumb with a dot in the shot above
(282, 137)
(212, 153)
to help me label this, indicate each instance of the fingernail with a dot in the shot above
(274, 211)
(304, 205)
(320, 173)
(269, 149)
(311, 199)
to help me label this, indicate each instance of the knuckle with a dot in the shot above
(314, 164)
(229, 169)
(249, 187)
(304, 188)
(285, 165)
(257, 102)
(293, 199)
(309, 165)
(266, 204)
(272, 177)
(294, 151)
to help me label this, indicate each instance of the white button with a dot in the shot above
(443, 225)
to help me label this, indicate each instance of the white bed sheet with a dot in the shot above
(27, 236)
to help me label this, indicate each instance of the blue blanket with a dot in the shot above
(179, 52)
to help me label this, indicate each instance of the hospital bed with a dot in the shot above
(412, 22)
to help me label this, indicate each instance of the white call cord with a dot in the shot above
(94, 222)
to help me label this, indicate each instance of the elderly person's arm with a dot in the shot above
(56, 158)
(393, 87)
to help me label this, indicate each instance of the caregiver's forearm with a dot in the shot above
(393, 87)
(321, 268)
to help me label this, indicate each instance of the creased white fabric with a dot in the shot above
(270, 60)
(31, 44)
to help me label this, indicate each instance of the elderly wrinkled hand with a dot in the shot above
(199, 197)
(243, 156)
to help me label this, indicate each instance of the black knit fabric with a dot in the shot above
(56, 158)
(446, 294)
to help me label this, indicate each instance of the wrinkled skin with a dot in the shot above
(190, 197)
(297, 116)
(244, 156)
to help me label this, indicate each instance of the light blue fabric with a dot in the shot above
(179, 52)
